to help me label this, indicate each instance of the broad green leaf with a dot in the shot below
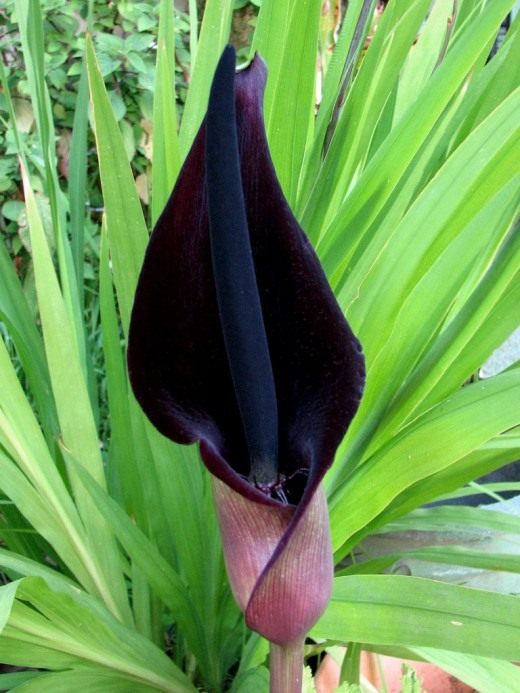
(17, 653)
(19, 536)
(20, 566)
(349, 149)
(443, 209)
(451, 555)
(22, 434)
(145, 497)
(185, 488)
(166, 154)
(455, 518)
(7, 596)
(433, 442)
(350, 664)
(465, 10)
(426, 54)
(289, 49)
(269, 36)
(60, 529)
(126, 228)
(214, 34)
(138, 546)
(481, 673)
(494, 82)
(163, 579)
(11, 681)
(338, 79)
(92, 680)
(194, 28)
(121, 450)
(80, 438)
(483, 324)
(16, 314)
(58, 622)
(130, 481)
(30, 23)
(252, 680)
(68, 383)
(39, 492)
(378, 180)
(490, 456)
(78, 179)
(387, 308)
(414, 612)
(147, 608)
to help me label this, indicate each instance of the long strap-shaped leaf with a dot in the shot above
(214, 34)
(406, 611)
(433, 442)
(56, 622)
(378, 181)
(286, 37)
(80, 438)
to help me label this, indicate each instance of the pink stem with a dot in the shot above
(286, 667)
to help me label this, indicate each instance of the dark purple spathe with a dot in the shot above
(177, 358)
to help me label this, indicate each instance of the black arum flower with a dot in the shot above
(236, 341)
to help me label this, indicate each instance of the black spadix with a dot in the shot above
(236, 339)
(240, 309)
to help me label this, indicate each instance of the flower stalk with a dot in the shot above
(286, 667)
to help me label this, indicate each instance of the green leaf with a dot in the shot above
(214, 34)
(434, 441)
(36, 486)
(11, 681)
(497, 79)
(73, 404)
(451, 555)
(7, 596)
(414, 612)
(95, 681)
(378, 181)
(289, 48)
(440, 271)
(57, 622)
(427, 53)
(481, 673)
(78, 178)
(30, 23)
(450, 518)
(338, 79)
(166, 154)
(486, 320)
(43, 510)
(67, 379)
(20, 566)
(194, 33)
(488, 457)
(124, 217)
(252, 680)
(161, 576)
(16, 314)
(376, 79)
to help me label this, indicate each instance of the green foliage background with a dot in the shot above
(405, 181)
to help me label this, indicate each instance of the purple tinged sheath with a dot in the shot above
(236, 341)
